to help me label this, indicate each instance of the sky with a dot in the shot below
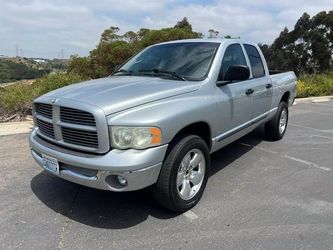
(52, 28)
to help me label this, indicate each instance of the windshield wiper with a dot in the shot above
(161, 71)
(126, 72)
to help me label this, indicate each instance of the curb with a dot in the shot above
(12, 128)
(314, 99)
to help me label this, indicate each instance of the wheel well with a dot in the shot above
(201, 129)
(285, 97)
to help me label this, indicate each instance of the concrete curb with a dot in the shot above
(12, 128)
(314, 99)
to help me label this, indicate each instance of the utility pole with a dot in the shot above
(16, 50)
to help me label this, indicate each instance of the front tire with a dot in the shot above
(184, 174)
(276, 128)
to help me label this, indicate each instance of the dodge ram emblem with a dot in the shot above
(54, 100)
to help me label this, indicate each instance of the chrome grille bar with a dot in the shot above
(80, 137)
(76, 116)
(44, 110)
(46, 128)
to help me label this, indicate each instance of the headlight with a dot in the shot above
(135, 137)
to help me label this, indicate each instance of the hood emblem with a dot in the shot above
(54, 100)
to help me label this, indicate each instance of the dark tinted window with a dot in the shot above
(255, 60)
(232, 56)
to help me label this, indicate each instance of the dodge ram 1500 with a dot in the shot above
(157, 118)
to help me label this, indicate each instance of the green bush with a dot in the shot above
(315, 85)
(18, 98)
(114, 49)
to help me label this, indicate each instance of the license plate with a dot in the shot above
(50, 164)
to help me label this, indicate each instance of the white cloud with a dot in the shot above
(44, 27)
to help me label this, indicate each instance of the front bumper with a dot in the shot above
(140, 168)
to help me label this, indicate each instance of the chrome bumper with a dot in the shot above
(140, 168)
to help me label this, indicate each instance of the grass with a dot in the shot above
(315, 85)
(18, 98)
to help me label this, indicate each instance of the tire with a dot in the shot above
(273, 129)
(168, 192)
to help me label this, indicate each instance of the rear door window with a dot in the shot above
(255, 60)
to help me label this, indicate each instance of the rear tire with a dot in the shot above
(184, 174)
(276, 128)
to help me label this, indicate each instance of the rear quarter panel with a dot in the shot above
(282, 83)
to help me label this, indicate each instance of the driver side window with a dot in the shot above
(233, 56)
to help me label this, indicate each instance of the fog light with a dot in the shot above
(122, 181)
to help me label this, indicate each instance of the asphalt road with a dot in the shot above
(261, 195)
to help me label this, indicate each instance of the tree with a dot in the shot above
(306, 49)
(213, 33)
(110, 35)
(114, 48)
(80, 65)
(184, 24)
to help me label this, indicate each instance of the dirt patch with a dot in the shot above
(25, 82)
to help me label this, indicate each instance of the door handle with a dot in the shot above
(249, 91)
(268, 85)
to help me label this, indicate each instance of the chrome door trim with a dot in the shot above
(243, 126)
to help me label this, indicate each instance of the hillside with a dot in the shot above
(18, 68)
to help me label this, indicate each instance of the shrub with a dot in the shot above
(18, 98)
(315, 85)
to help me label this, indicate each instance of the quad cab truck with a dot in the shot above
(155, 121)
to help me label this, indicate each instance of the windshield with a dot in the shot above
(187, 61)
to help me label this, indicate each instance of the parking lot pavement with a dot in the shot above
(261, 194)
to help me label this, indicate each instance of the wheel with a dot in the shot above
(184, 174)
(276, 128)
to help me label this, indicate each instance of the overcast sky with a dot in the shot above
(42, 28)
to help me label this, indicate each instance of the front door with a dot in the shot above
(234, 105)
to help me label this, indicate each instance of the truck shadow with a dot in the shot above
(104, 209)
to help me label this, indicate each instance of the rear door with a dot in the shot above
(261, 82)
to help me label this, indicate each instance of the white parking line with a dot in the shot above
(309, 163)
(320, 136)
(317, 129)
(191, 216)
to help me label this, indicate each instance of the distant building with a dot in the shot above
(39, 60)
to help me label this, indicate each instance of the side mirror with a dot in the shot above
(237, 73)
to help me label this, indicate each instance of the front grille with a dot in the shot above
(44, 110)
(69, 127)
(80, 137)
(45, 128)
(76, 116)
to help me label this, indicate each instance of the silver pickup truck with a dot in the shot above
(156, 120)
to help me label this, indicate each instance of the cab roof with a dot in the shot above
(210, 40)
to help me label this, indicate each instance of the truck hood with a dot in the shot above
(117, 93)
